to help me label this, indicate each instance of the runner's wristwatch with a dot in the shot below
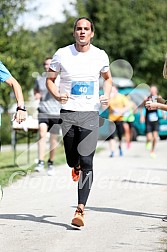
(21, 108)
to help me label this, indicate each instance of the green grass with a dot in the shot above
(8, 168)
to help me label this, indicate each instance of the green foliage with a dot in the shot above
(21, 51)
(58, 35)
(5, 129)
(17, 60)
(14, 46)
(9, 11)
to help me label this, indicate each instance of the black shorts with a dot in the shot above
(119, 130)
(80, 135)
(53, 122)
(129, 123)
(152, 126)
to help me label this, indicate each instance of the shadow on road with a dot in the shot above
(142, 182)
(41, 219)
(125, 212)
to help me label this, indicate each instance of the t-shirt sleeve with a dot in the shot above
(56, 62)
(4, 73)
(105, 62)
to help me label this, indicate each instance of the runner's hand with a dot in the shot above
(63, 98)
(19, 116)
(151, 105)
(104, 101)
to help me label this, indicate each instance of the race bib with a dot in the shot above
(82, 88)
(152, 117)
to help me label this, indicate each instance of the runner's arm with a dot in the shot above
(53, 89)
(107, 85)
(21, 113)
(156, 105)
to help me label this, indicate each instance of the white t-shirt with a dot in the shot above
(79, 76)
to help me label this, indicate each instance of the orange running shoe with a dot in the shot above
(78, 219)
(75, 174)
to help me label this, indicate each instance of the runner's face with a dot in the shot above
(83, 32)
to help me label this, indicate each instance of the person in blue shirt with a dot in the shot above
(5, 76)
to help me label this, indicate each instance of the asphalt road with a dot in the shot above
(124, 211)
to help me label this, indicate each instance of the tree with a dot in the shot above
(9, 12)
(22, 51)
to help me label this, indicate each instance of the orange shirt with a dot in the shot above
(116, 104)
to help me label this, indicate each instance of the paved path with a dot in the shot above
(123, 213)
